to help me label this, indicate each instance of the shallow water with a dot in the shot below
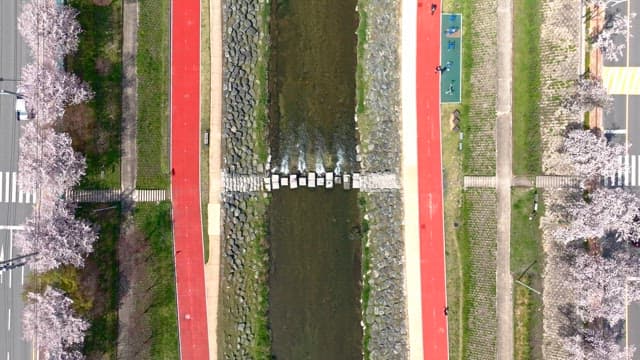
(314, 234)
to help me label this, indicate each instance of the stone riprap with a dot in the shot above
(243, 275)
(244, 256)
(379, 124)
(384, 315)
(380, 150)
(241, 40)
(480, 138)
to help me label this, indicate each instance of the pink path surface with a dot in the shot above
(185, 181)
(432, 265)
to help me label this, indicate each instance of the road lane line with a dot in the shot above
(1, 177)
(22, 275)
(9, 321)
(14, 186)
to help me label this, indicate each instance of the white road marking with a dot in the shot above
(1, 177)
(11, 227)
(14, 186)
(9, 320)
(22, 275)
(633, 170)
(626, 170)
(6, 186)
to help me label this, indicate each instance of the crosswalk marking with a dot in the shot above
(633, 171)
(9, 192)
(14, 186)
(6, 186)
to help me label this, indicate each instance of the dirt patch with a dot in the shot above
(80, 122)
(134, 329)
(102, 2)
(103, 66)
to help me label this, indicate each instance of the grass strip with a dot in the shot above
(262, 70)
(95, 126)
(526, 88)
(205, 117)
(365, 268)
(527, 265)
(153, 94)
(155, 223)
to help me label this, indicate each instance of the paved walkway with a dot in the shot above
(115, 195)
(409, 176)
(185, 183)
(504, 286)
(212, 267)
(128, 333)
(542, 181)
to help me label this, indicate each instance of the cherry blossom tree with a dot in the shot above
(599, 274)
(607, 211)
(47, 161)
(49, 321)
(49, 89)
(49, 29)
(57, 238)
(590, 154)
(588, 94)
(595, 340)
(605, 38)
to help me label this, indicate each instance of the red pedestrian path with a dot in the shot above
(432, 265)
(185, 179)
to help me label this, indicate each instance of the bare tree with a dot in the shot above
(588, 94)
(607, 212)
(57, 237)
(49, 89)
(47, 161)
(50, 29)
(590, 154)
(50, 320)
(605, 38)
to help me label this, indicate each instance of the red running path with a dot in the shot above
(432, 265)
(185, 179)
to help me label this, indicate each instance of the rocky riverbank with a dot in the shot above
(242, 330)
(384, 298)
(244, 33)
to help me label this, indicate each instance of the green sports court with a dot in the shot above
(450, 55)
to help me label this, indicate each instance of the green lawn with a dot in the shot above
(527, 265)
(95, 126)
(526, 87)
(153, 94)
(155, 223)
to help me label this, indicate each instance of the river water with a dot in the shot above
(314, 234)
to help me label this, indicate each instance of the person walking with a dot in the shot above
(434, 7)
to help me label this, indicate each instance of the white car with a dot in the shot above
(21, 110)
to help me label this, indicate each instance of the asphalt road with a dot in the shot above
(14, 205)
